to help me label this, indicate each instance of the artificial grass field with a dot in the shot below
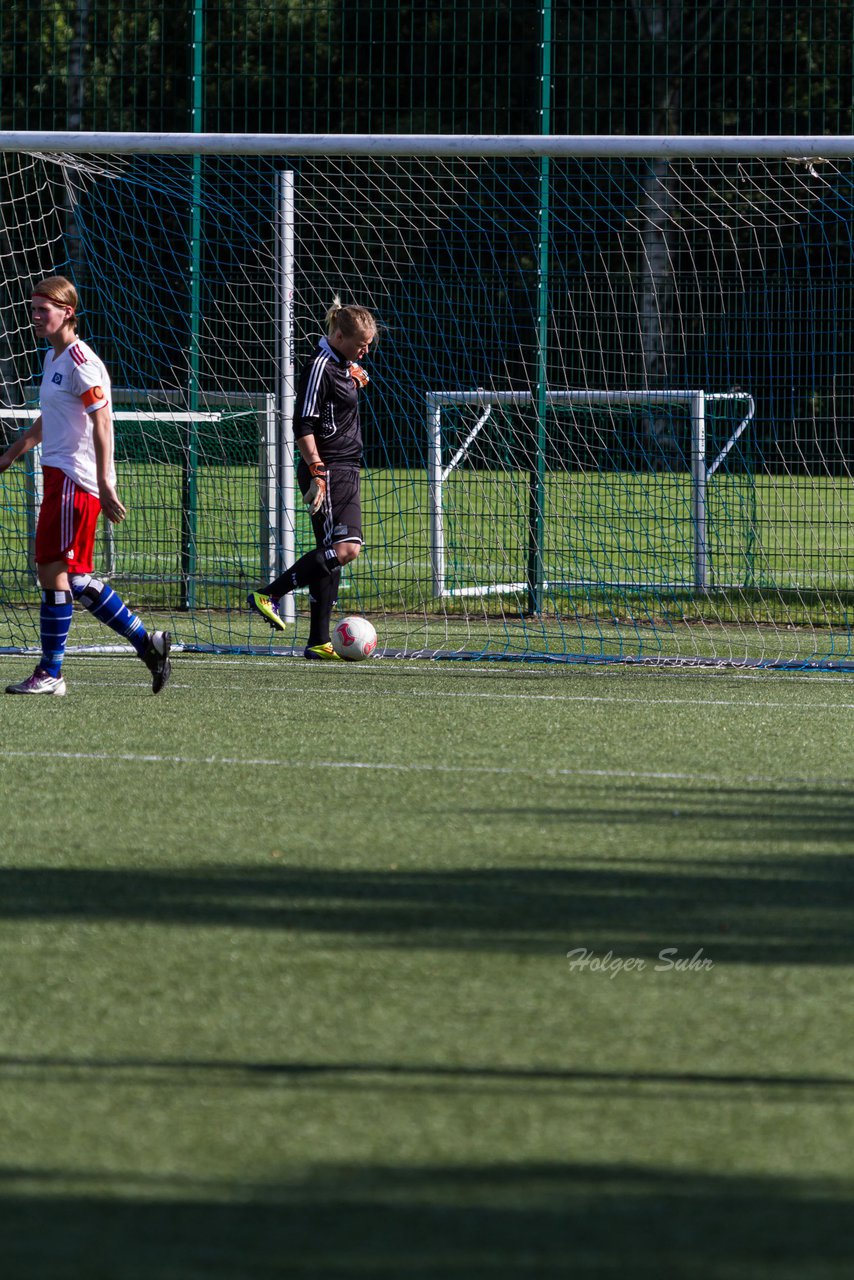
(284, 987)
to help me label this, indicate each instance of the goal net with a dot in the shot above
(609, 414)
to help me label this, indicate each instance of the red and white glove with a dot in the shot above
(316, 491)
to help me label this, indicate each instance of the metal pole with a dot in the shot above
(189, 487)
(434, 481)
(698, 490)
(268, 478)
(34, 494)
(537, 477)
(514, 145)
(286, 383)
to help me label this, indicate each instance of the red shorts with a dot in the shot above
(67, 522)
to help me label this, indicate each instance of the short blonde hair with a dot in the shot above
(350, 320)
(60, 291)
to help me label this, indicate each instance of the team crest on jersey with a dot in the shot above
(57, 378)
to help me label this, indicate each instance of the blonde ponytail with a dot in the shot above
(333, 313)
(350, 320)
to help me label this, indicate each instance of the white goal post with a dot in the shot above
(702, 467)
(557, 146)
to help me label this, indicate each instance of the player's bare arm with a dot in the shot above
(26, 440)
(102, 436)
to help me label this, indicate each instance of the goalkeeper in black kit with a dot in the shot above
(329, 438)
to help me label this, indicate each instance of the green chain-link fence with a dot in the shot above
(629, 66)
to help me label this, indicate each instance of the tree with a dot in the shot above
(675, 35)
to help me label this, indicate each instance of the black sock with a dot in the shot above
(322, 599)
(311, 568)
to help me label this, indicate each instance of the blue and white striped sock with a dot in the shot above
(107, 606)
(57, 609)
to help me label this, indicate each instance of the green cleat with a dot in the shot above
(322, 652)
(268, 609)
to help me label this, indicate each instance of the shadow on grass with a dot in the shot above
(775, 819)
(774, 909)
(430, 1078)
(455, 1223)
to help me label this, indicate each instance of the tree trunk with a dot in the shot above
(657, 286)
(76, 84)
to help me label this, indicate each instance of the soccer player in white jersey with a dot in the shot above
(329, 438)
(75, 430)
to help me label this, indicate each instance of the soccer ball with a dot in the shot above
(354, 638)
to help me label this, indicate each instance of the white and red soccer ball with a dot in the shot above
(354, 638)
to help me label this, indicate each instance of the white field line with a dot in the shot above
(371, 766)
(581, 697)
(441, 694)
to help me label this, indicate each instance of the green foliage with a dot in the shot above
(326, 65)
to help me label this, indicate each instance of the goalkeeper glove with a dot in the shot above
(316, 491)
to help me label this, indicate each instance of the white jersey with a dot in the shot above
(74, 385)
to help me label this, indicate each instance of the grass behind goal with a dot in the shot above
(618, 563)
(284, 983)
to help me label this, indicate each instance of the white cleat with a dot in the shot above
(40, 682)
